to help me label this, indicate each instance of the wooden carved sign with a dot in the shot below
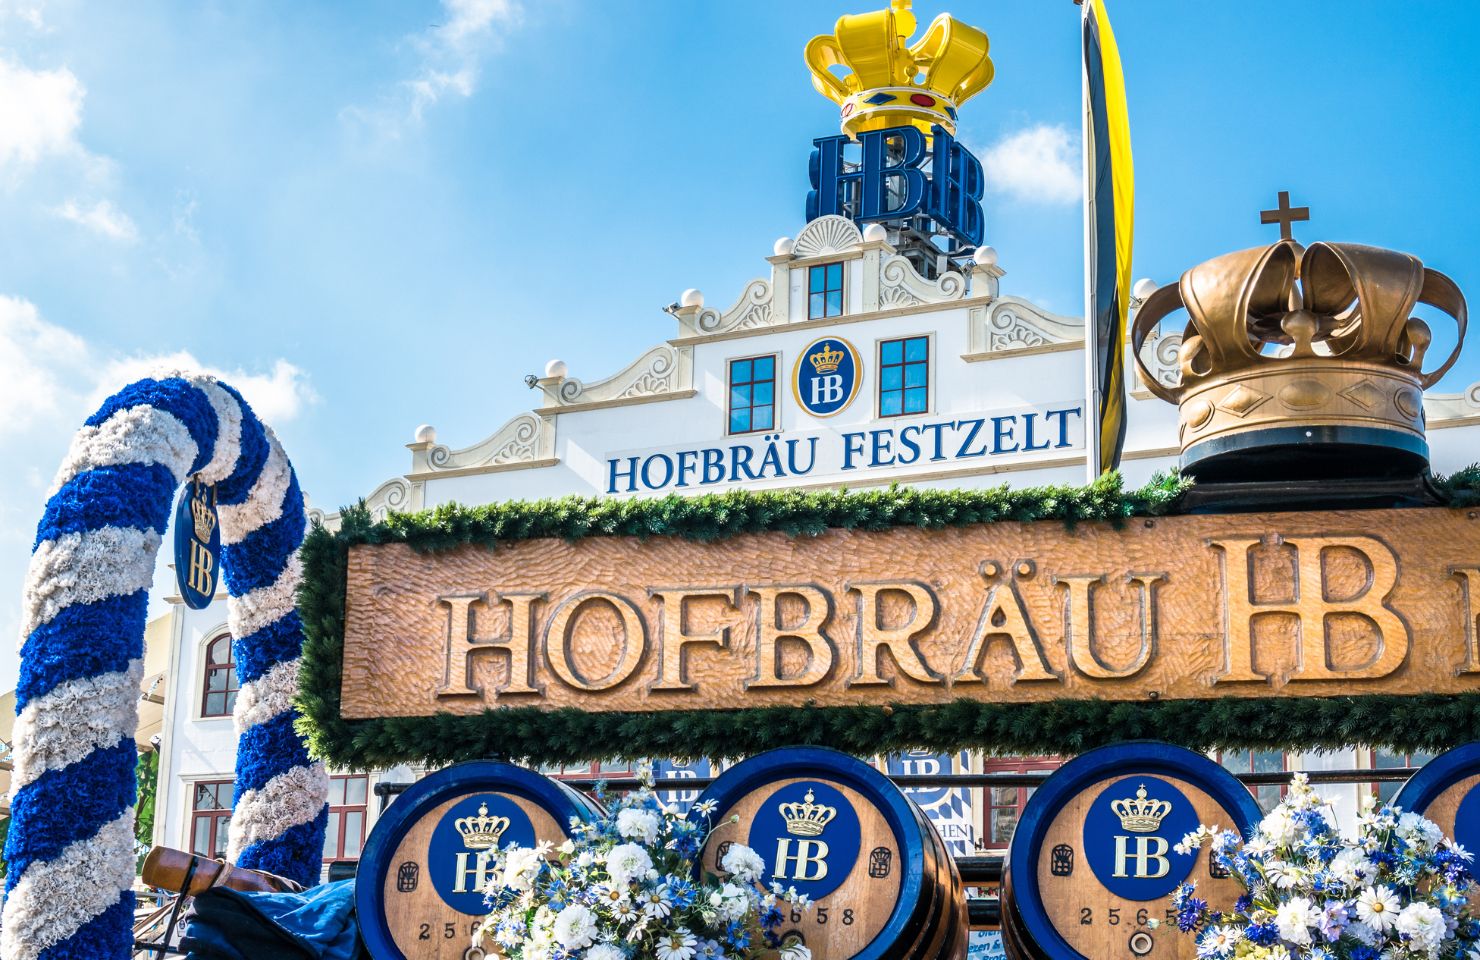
(1094, 858)
(1251, 605)
(422, 877)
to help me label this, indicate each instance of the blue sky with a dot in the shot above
(380, 214)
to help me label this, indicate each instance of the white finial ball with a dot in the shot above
(783, 246)
(1144, 288)
(875, 232)
(986, 256)
(426, 433)
(555, 368)
(691, 298)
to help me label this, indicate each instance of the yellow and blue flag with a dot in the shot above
(1109, 197)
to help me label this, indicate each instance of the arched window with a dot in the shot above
(220, 687)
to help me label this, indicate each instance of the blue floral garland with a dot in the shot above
(71, 844)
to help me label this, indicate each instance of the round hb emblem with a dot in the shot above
(465, 838)
(1129, 834)
(808, 835)
(826, 376)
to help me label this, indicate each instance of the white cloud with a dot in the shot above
(40, 363)
(40, 112)
(53, 377)
(450, 55)
(276, 397)
(101, 218)
(1041, 164)
(27, 13)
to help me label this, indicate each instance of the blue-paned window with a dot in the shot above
(904, 376)
(752, 394)
(825, 291)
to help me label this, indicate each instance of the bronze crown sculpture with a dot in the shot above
(1299, 364)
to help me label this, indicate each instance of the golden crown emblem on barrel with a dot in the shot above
(807, 819)
(891, 83)
(1299, 357)
(481, 832)
(1140, 815)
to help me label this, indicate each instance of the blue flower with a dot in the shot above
(1263, 934)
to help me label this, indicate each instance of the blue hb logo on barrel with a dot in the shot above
(827, 376)
(1129, 835)
(465, 841)
(808, 834)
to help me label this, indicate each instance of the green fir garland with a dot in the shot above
(1061, 727)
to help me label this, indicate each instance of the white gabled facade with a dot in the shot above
(994, 360)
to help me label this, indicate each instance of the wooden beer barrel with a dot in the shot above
(1446, 790)
(417, 891)
(1092, 859)
(883, 884)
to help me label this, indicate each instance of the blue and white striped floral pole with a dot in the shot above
(71, 845)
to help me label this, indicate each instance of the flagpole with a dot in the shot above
(1091, 417)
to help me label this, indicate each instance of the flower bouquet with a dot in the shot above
(627, 887)
(1398, 891)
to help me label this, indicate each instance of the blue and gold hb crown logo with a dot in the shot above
(1141, 815)
(481, 832)
(807, 819)
(827, 359)
(893, 84)
(203, 516)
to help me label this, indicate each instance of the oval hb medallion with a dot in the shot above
(419, 888)
(1094, 861)
(826, 376)
(197, 545)
(836, 829)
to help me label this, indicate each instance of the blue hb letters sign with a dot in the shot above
(827, 376)
(887, 184)
(809, 836)
(1129, 834)
(463, 842)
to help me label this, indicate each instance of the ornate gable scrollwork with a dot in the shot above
(528, 439)
(827, 235)
(753, 309)
(901, 286)
(396, 495)
(1011, 325)
(1160, 356)
(1444, 409)
(662, 372)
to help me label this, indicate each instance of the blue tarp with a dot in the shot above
(318, 924)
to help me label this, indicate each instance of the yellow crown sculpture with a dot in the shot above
(826, 361)
(1141, 815)
(481, 832)
(1303, 357)
(204, 518)
(807, 819)
(893, 84)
